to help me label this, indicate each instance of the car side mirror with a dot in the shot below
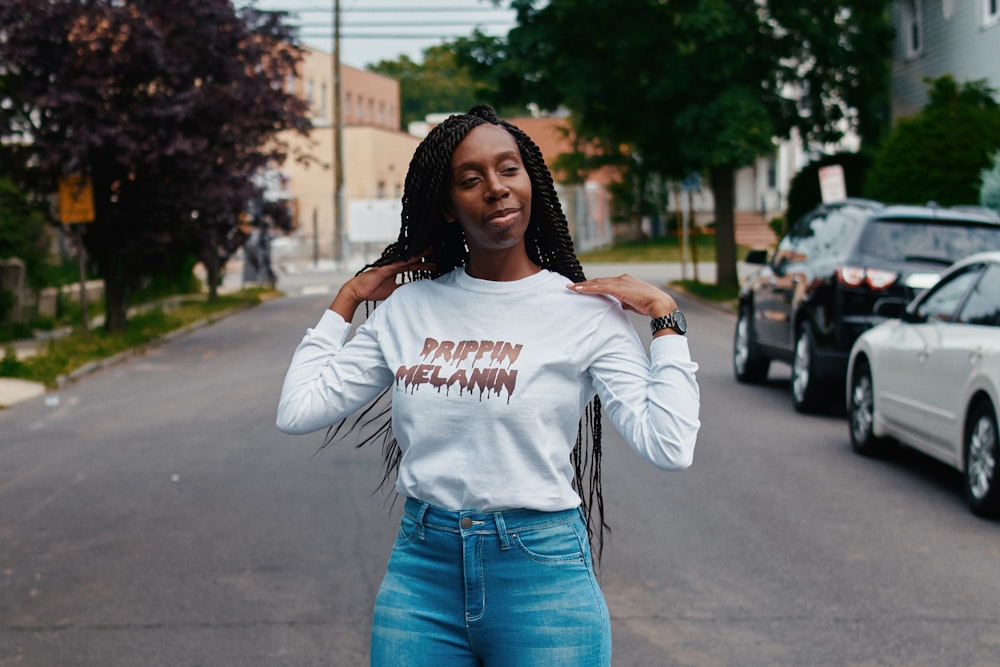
(891, 307)
(756, 257)
(913, 316)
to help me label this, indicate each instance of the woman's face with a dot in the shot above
(490, 191)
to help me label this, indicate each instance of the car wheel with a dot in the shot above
(861, 413)
(982, 449)
(749, 365)
(807, 394)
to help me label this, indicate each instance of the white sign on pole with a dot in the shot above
(831, 184)
(373, 220)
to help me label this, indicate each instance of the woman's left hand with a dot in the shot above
(634, 294)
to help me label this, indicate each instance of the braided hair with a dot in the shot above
(424, 231)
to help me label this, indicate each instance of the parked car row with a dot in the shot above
(900, 307)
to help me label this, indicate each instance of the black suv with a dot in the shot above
(808, 304)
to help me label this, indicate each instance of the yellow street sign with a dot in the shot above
(76, 199)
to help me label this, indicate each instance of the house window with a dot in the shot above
(309, 92)
(912, 29)
(991, 12)
(322, 100)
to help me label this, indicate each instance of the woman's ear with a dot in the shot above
(448, 213)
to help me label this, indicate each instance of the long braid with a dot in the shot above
(549, 245)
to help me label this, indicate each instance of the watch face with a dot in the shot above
(680, 322)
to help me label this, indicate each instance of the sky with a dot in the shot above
(374, 30)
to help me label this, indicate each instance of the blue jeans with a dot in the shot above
(492, 589)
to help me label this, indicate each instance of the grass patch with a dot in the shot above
(662, 249)
(65, 354)
(708, 291)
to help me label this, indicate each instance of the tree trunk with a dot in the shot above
(115, 301)
(723, 188)
(212, 263)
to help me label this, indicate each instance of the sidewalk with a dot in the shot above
(14, 391)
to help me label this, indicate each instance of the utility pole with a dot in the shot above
(339, 251)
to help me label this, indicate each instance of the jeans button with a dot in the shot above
(466, 523)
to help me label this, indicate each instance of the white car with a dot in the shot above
(931, 379)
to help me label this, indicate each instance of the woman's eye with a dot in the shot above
(510, 170)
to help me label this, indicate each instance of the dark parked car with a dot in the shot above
(808, 304)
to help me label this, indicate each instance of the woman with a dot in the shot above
(490, 364)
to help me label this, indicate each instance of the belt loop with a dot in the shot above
(420, 519)
(501, 531)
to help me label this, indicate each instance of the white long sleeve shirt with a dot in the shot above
(490, 380)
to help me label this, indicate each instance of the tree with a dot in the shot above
(442, 83)
(938, 154)
(701, 85)
(169, 107)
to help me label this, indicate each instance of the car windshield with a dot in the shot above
(927, 241)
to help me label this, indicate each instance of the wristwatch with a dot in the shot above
(674, 320)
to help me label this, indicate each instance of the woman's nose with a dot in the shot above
(496, 189)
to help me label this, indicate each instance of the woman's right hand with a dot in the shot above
(375, 284)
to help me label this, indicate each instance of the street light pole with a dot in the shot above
(340, 254)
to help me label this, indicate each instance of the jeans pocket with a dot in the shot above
(558, 543)
(409, 530)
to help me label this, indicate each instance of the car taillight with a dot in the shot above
(878, 279)
(856, 276)
(852, 276)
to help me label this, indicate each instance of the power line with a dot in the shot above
(421, 24)
(328, 35)
(394, 10)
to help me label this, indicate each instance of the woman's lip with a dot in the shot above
(499, 217)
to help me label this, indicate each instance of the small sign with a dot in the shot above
(831, 184)
(76, 199)
(692, 183)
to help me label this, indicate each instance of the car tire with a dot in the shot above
(982, 451)
(861, 413)
(749, 365)
(808, 395)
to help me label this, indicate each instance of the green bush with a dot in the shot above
(778, 225)
(989, 193)
(804, 192)
(24, 233)
(938, 154)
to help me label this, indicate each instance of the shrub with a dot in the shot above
(989, 193)
(938, 154)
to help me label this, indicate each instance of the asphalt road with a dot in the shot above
(150, 514)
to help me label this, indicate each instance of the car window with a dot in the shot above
(983, 305)
(929, 241)
(824, 234)
(942, 302)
